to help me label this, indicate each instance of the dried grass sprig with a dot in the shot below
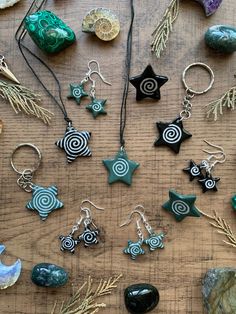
(164, 28)
(83, 301)
(228, 100)
(223, 228)
(23, 99)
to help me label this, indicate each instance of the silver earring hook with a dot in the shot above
(97, 64)
(135, 211)
(88, 210)
(101, 77)
(219, 156)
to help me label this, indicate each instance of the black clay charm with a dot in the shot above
(141, 298)
(148, 84)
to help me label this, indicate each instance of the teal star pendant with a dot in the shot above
(155, 241)
(181, 206)
(44, 200)
(134, 249)
(77, 92)
(96, 107)
(120, 168)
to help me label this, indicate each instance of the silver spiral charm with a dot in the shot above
(68, 243)
(180, 207)
(148, 86)
(172, 134)
(195, 171)
(210, 184)
(76, 92)
(97, 107)
(120, 167)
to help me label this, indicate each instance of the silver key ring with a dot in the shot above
(26, 145)
(208, 69)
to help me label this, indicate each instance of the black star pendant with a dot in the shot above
(208, 183)
(193, 170)
(148, 84)
(172, 134)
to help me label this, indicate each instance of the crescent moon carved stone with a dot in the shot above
(9, 274)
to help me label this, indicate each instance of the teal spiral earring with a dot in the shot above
(44, 200)
(153, 240)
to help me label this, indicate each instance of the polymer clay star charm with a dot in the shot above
(68, 243)
(208, 183)
(148, 84)
(181, 206)
(75, 143)
(96, 107)
(134, 249)
(155, 241)
(172, 134)
(44, 200)
(120, 168)
(193, 170)
(77, 92)
(89, 236)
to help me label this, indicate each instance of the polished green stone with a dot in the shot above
(49, 275)
(219, 291)
(141, 298)
(221, 38)
(233, 202)
(49, 32)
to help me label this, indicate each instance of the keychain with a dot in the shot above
(44, 200)
(173, 134)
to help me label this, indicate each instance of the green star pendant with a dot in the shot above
(77, 92)
(96, 107)
(120, 168)
(181, 206)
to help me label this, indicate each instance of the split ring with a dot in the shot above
(208, 69)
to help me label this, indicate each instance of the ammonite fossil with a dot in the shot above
(101, 22)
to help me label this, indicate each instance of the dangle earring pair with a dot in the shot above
(77, 91)
(203, 170)
(90, 234)
(44, 200)
(154, 240)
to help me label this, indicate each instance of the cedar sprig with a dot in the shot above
(223, 228)
(228, 100)
(23, 99)
(164, 28)
(83, 301)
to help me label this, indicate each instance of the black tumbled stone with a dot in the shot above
(141, 298)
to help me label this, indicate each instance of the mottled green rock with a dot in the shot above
(233, 202)
(141, 298)
(219, 291)
(221, 38)
(49, 275)
(49, 32)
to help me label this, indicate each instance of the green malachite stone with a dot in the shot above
(141, 298)
(49, 275)
(221, 38)
(49, 32)
(219, 291)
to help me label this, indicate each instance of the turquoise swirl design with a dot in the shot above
(44, 200)
(155, 241)
(49, 32)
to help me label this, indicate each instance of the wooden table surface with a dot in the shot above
(192, 246)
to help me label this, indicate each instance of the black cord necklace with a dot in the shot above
(120, 167)
(74, 143)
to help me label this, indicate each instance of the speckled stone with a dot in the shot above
(49, 32)
(233, 202)
(141, 298)
(49, 275)
(221, 38)
(219, 291)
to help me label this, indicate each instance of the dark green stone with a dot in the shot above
(221, 38)
(219, 291)
(233, 202)
(141, 298)
(49, 32)
(49, 275)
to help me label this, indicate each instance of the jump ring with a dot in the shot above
(26, 145)
(208, 69)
